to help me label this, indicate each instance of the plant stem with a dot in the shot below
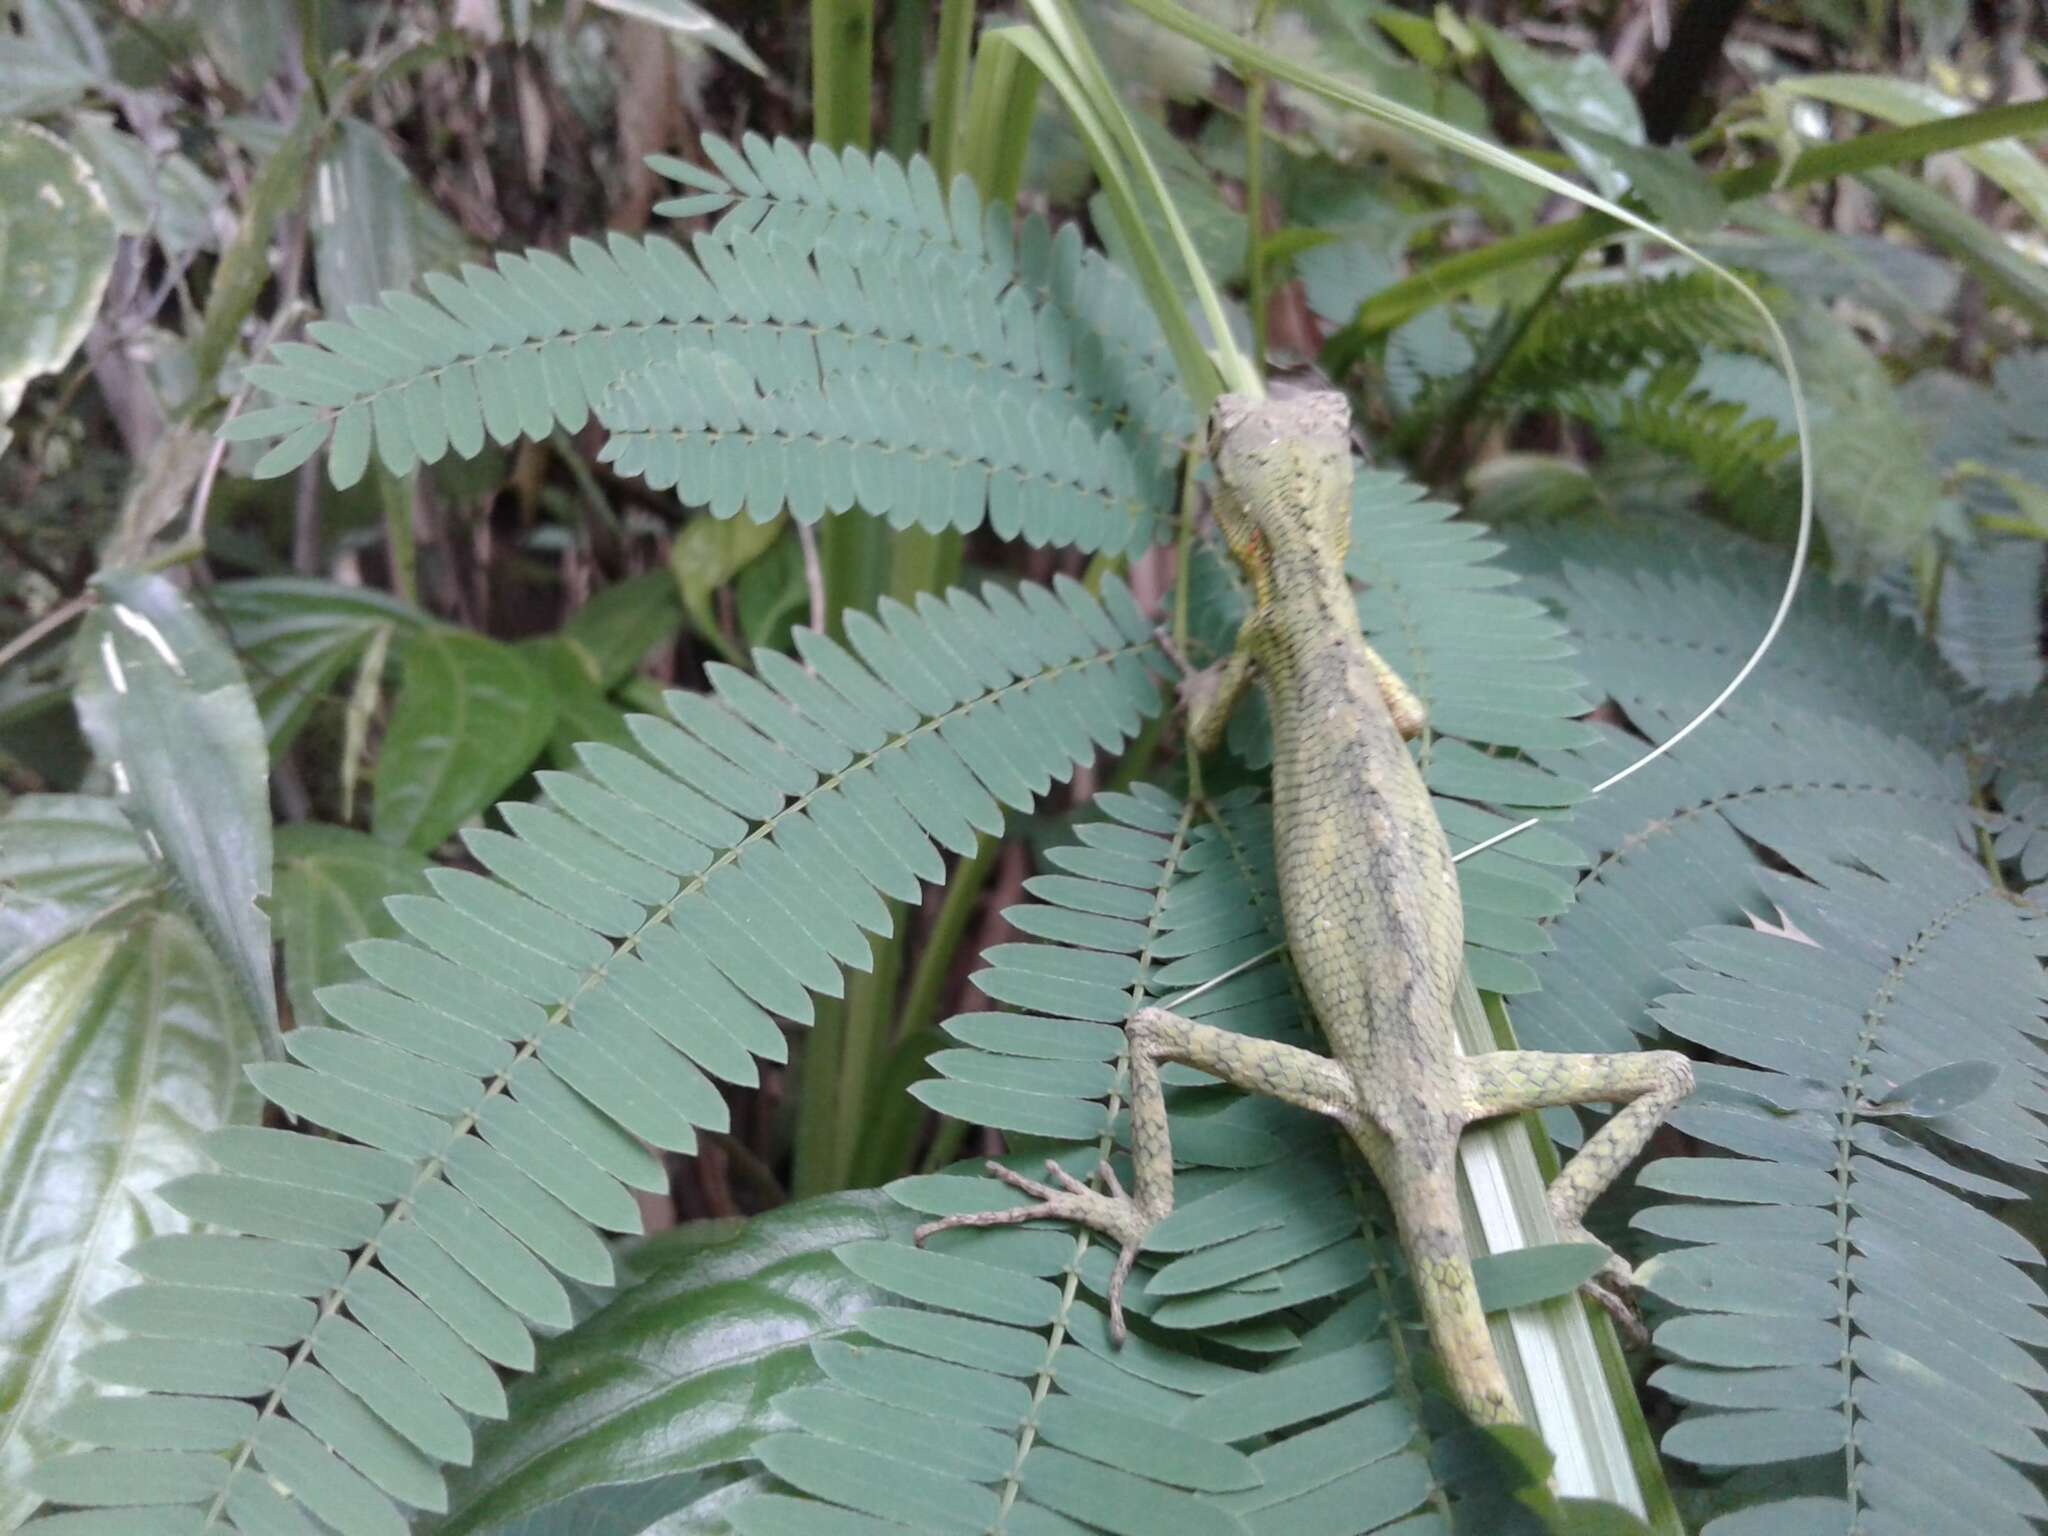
(949, 89)
(395, 492)
(842, 64)
(1255, 193)
(1456, 275)
(1000, 107)
(1452, 429)
(935, 961)
(906, 76)
(49, 623)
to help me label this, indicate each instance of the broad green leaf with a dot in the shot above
(1570, 91)
(330, 890)
(119, 1048)
(708, 553)
(56, 250)
(471, 716)
(622, 623)
(163, 702)
(296, 637)
(674, 1376)
(164, 196)
(36, 80)
(372, 227)
(66, 862)
(582, 712)
(2011, 163)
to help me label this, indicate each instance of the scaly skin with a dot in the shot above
(1374, 921)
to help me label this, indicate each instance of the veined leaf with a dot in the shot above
(671, 1383)
(507, 1064)
(56, 250)
(66, 863)
(331, 887)
(158, 692)
(470, 717)
(119, 1046)
(296, 637)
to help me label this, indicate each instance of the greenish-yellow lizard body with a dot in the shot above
(1375, 926)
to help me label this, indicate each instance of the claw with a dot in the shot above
(1617, 1306)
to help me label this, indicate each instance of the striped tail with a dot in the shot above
(1425, 1204)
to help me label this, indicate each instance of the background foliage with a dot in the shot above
(650, 751)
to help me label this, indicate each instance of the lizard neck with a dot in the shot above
(1306, 607)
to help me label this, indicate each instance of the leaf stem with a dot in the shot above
(1459, 274)
(1255, 192)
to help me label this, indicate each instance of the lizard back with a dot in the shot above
(1367, 885)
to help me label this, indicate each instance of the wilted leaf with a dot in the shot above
(164, 705)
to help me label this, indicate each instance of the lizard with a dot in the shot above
(1372, 913)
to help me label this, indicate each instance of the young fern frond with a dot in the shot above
(929, 300)
(500, 1074)
(1746, 462)
(1602, 330)
(1847, 1304)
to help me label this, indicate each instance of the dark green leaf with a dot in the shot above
(158, 693)
(470, 717)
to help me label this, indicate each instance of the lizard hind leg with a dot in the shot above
(1280, 1071)
(1646, 1084)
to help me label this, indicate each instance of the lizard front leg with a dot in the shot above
(1280, 1071)
(1410, 714)
(1647, 1084)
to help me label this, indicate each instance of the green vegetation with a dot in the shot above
(554, 805)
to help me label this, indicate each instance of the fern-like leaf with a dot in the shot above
(1828, 734)
(1003, 1404)
(1604, 328)
(1846, 1304)
(497, 1078)
(853, 292)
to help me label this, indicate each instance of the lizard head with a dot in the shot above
(1284, 473)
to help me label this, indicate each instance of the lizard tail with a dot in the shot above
(1426, 1208)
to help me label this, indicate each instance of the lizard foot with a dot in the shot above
(1116, 1215)
(1613, 1286)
